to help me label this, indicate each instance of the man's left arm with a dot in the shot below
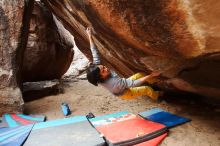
(95, 54)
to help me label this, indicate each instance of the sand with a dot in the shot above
(82, 97)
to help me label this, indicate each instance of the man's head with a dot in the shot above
(97, 74)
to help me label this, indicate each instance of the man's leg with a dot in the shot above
(135, 92)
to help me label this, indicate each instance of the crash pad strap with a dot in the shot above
(142, 138)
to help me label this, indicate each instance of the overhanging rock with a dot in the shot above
(179, 38)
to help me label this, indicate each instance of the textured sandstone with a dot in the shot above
(180, 38)
(49, 51)
(13, 39)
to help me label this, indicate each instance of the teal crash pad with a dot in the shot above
(14, 120)
(75, 131)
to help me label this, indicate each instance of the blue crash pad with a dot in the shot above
(14, 136)
(163, 117)
(3, 123)
(14, 120)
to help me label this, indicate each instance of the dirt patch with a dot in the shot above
(82, 97)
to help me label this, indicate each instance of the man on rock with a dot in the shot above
(125, 88)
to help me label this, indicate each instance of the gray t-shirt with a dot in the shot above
(114, 83)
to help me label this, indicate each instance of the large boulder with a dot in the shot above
(14, 22)
(179, 38)
(49, 51)
(78, 65)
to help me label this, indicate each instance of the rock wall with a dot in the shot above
(49, 51)
(179, 38)
(14, 22)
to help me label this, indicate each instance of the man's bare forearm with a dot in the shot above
(95, 55)
(91, 42)
(144, 79)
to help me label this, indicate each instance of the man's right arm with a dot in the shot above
(138, 82)
(95, 54)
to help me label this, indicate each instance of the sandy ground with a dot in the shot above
(82, 97)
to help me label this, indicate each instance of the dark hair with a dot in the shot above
(93, 74)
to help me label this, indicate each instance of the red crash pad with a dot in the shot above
(133, 131)
(153, 142)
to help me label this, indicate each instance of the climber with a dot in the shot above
(129, 88)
